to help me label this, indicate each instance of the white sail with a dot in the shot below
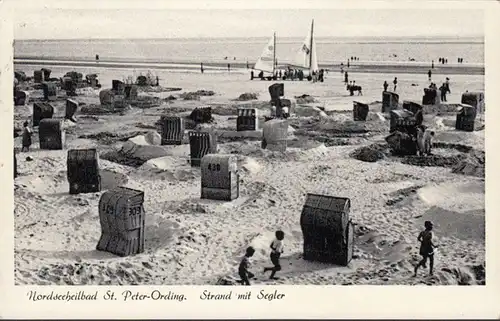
(267, 58)
(306, 55)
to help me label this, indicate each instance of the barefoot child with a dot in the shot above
(246, 275)
(276, 251)
(426, 247)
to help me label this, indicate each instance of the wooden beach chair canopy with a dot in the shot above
(41, 111)
(360, 111)
(83, 171)
(172, 130)
(51, 134)
(219, 177)
(122, 218)
(327, 229)
(390, 101)
(201, 144)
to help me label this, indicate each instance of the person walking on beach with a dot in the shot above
(245, 263)
(229, 67)
(426, 248)
(97, 58)
(395, 82)
(26, 140)
(276, 251)
(348, 64)
(201, 67)
(432, 64)
(386, 85)
(447, 84)
(346, 78)
(442, 89)
(429, 73)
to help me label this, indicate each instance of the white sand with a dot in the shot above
(193, 241)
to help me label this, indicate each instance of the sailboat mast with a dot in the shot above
(311, 46)
(274, 54)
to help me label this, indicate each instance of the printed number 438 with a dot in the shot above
(214, 167)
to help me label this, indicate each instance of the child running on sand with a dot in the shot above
(246, 275)
(426, 248)
(276, 251)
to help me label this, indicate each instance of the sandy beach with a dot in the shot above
(194, 241)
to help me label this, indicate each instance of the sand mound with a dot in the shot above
(248, 96)
(111, 179)
(153, 138)
(167, 168)
(432, 160)
(473, 165)
(462, 275)
(138, 150)
(371, 153)
(109, 138)
(251, 166)
(459, 197)
(57, 183)
(308, 111)
(139, 147)
(305, 99)
(456, 209)
(339, 124)
(93, 109)
(196, 95)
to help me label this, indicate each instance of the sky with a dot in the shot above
(77, 19)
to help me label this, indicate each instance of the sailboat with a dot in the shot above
(267, 60)
(306, 55)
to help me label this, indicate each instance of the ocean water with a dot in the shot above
(242, 50)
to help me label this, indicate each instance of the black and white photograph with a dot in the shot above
(162, 152)
(163, 146)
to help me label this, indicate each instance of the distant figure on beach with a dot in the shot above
(245, 263)
(276, 251)
(248, 67)
(225, 58)
(352, 58)
(443, 91)
(440, 59)
(26, 140)
(348, 64)
(432, 64)
(429, 73)
(229, 67)
(446, 61)
(395, 82)
(386, 85)
(346, 77)
(157, 81)
(426, 248)
(201, 67)
(234, 58)
(447, 85)
(96, 57)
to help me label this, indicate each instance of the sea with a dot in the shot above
(330, 50)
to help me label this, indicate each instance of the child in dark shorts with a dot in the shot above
(276, 251)
(246, 275)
